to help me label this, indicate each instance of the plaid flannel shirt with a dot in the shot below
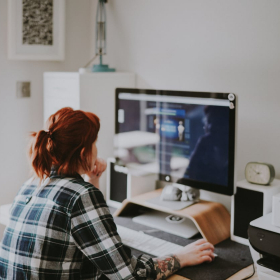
(64, 230)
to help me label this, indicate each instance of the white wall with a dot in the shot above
(216, 45)
(20, 116)
(201, 45)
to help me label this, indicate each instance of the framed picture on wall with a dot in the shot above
(36, 29)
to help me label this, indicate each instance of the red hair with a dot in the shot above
(67, 143)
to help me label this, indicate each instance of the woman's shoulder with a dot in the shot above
(65, 191)
(29, 186)
(62, 191)
(74, 185)
(71, 192)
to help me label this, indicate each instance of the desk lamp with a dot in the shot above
(100, 38)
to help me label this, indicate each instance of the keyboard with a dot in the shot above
(146, 243)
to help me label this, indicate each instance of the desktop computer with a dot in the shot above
(186, 138)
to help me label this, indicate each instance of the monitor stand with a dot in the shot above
(173, 224)
(211, 218)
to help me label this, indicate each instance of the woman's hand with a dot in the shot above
(196, 253)
(99, 167)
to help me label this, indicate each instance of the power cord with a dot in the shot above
(91, 61)
(249, 276)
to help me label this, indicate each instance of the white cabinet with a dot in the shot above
(94, 92)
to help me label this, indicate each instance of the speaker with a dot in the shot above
(250, 202)
(125, 183)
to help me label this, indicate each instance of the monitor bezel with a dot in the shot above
(226, 190)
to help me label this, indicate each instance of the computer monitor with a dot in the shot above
(185, 137)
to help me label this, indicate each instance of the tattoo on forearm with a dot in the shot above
(165, 266)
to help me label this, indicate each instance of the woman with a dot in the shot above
(60, 226)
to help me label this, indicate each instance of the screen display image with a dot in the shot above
(183, 137)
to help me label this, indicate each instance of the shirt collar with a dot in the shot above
(54, 174)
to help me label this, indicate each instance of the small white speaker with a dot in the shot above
(276, 210)
(124, 183)
(250, 202)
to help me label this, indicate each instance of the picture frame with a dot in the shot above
(36, 30)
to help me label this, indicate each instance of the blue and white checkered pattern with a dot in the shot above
(64, 230)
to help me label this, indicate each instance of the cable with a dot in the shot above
(249, 276)
(91, 60)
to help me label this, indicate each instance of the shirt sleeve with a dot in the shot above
(95, 234)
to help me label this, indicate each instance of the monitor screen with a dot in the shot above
(185, 137)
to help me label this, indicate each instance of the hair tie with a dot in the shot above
(49, 134)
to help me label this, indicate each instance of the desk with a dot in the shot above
(217, 268)
(204, 214)
(239, 275)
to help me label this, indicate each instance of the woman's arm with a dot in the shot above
(95, 234)
(166, 266)
(145, 267)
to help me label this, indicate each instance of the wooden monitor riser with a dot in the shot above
(211, 218)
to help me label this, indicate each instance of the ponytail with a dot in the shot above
(40, 153)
